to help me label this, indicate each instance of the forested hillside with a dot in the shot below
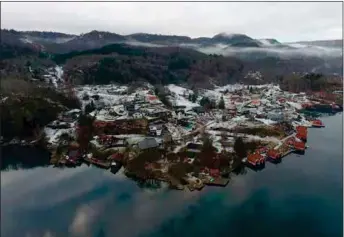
(123, 64)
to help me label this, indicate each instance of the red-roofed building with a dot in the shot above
(255, 159)
(301, 136)
(301, 129)
(299, 146)
(274, 154)
(255, 102)
(282, 100)
(152, 98)
(301, 132)
(117, 157)
(214, 173)
(99, 124)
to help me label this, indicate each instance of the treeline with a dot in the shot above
(124, 64)
(27, 108)
(309, 82)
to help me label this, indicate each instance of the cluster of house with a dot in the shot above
(140, 119)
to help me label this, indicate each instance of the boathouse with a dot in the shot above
(299, 146)
(255, 159)
(273, 154)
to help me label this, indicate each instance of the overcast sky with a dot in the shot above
(285, 21)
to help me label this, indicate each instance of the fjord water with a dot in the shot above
(302, 196)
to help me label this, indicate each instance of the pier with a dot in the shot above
(99, 163)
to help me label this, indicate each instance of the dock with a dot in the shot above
(99, 163)
(219, 181)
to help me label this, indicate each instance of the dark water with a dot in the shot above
(302, 196)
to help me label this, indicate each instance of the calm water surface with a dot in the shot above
(302, 196)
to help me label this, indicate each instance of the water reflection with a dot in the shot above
(302, 196)
(15, 157)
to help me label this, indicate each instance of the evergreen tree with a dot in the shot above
(85, 130)
(90, 107)
(222, 103)
(240, 148)
(194, 98)
(190, 97)
(204, 101)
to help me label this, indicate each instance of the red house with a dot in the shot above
(301, 132)
(282, 100)
(274, 154)
(255, 159)
(117, 157)
(301, 129)
(299, 146)
(301, 136)
(214, 173)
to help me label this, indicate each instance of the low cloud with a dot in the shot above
(296, 50)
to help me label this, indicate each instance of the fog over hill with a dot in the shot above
(269, 56)
(222, 43)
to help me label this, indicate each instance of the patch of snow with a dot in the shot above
(54, 134)
(59, 72)
(295, 105)
(179, 90)
(26, 40)
(179, 94)
(266, 121)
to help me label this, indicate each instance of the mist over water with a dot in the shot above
(302, 196)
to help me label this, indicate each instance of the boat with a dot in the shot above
(98, 163)
(318, 123)
(115, 167)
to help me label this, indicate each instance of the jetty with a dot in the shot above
(98, 163)
(218, 181)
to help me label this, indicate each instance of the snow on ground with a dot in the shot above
(108, 94)
(266, 121)
(176, 132)
(212, 94)
(268, 139)
(230, 88)
(179, 90)
(178, 96)
(54, 134)
(295, 105)
(233, 87)
(132, 138)
(246, 136)
(26, 40)
(181, 101)
(239, 119)
(59, 72)
(178, 148)
(227, 124)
